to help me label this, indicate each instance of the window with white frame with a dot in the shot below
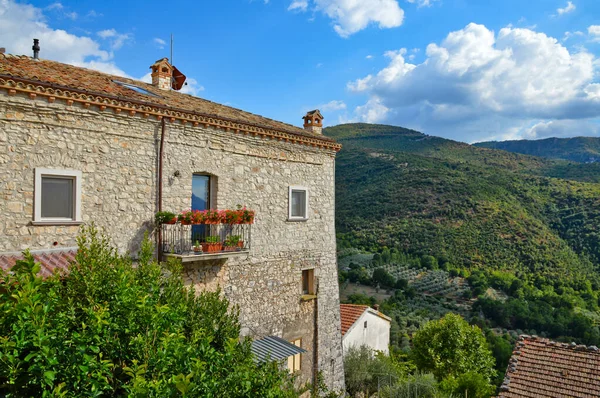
(57, 196)
(298, 203)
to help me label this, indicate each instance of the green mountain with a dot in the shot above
(470, 207)
(577, 149)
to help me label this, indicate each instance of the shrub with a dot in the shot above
(113, 329)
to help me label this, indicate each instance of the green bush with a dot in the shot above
(110, 328)
(450, 348)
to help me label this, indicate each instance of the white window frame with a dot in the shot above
(37, 212)
(297, 188)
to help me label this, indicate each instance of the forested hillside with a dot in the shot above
(577, 149)
(520, 231)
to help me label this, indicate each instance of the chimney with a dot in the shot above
(2, 50)
(36, 48)
(162, 72)
(376, 307)
(313, 122)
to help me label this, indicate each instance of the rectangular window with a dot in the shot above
(295, 361)
(308, 281)
(57, 196)
(298, 203)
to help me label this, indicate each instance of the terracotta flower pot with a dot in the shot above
(211, 247)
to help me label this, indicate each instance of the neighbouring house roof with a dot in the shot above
(274, 348)
(349, 314)
(89, 87)
(546, 369)
(51, 260)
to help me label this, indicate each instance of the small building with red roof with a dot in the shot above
(363, 325)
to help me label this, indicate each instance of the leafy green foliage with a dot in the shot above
(451, 348)
(109, 328)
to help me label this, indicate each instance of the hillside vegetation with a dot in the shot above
(509, 241)
(468, 206)
(577, 149)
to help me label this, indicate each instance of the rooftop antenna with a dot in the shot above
(171, 60)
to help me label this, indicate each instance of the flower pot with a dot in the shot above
(241, 244)
(197, 249)
(231, 248)
(171, 222)
(211, 247)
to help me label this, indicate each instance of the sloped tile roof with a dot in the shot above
(547, 369)
(349, 313)
(50, 261)
(62, 76)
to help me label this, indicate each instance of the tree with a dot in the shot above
(109, 328)
(450, 347)
(383, 278)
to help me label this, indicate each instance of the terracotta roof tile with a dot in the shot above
(51, 261)
(349, 313)
(93, 82)
(544, 368)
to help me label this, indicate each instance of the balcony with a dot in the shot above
(206, 241)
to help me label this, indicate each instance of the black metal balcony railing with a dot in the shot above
(188, 240)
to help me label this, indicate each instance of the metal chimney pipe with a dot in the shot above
(36, 48)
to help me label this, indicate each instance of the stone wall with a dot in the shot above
(117, 154)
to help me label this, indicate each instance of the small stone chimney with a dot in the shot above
(162, 72)
(313, 122)
(2, 50)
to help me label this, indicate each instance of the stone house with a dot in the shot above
(363, 325)
(80, 146)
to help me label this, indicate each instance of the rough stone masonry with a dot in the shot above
(117, 154)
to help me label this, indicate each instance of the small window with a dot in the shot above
(57, 196)
(365, 324)
(298, 203)
(308, 281)
(295, 361)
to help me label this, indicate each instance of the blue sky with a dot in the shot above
(469, 70)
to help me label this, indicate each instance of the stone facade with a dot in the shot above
(117, 154)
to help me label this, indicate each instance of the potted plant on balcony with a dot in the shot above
(186, 217)
(164, 217)
(212, 244)
(232, 243)
(197, 248)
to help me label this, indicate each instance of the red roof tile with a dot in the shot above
(58, 76)
(547, 369)
(349, 313)
(50, 261)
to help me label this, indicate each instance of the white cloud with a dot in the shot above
(116, 39)
(20, 23)
(55, 6)
(160, 43)
(298, 5)
(332, 106)
(369, 57)
(569, 35)
(594, 32)
(570, 7)
(477, 82)
(371, 112)
(422, 3)
(351, 16)
(561, 128)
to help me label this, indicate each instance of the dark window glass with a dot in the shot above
(57, 197)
